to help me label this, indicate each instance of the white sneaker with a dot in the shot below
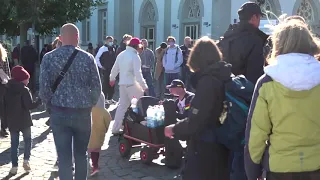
(26, 165)
(13, 170)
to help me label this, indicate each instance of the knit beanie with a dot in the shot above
(19, 73)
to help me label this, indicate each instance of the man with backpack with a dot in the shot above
(105, 59)
(172, 60)
(242, 44)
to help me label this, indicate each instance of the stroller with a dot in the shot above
(151, 140)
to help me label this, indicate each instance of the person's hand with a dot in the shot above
(112, 83)
(168, 131)
(146, 90)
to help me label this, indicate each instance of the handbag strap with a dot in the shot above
(64, 71)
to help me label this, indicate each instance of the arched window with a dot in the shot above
(265, 6)
(306, 11)
(194, 9)
(151, 14)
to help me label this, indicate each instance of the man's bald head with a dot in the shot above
(69, 34)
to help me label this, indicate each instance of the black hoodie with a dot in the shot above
(245, 53)
(207, 104)
(19, 102)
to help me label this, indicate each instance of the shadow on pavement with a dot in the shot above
(18, 178)
(39, 115)
(132, 166)
(5, 155)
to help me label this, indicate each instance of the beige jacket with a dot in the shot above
(159, 66)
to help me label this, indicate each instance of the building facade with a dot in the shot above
(155, 20)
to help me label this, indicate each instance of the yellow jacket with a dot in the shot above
(100, 123)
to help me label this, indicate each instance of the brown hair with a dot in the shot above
(126, 36)
(109, 37)
(293, 37)
(204, 53)
(172, 38)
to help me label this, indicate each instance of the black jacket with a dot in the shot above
(185, 53)
(108, 58)
(19, 102)
(29, 57)
(246, 51)
(206, 161)
(188, 98)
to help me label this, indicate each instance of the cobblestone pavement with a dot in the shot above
(113, 167)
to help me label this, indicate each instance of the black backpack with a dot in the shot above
(233, 120)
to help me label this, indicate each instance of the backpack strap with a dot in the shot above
(64, 71)
(177, 51)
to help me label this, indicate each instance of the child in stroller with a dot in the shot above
(152, 140)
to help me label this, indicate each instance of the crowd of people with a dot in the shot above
(279, 139)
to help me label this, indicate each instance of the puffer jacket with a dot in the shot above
(285, 113)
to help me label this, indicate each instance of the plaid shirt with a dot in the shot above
(5, 66)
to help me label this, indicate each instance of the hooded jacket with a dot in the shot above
(285, 113)
(100, 123)
(172, 59)
(19, 102)
(245, 53)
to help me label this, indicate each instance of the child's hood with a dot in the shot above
(101, 101)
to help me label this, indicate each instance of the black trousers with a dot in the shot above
(108, 90)
(315, 175)
(2, 107)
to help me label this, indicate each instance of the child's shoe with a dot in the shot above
(94, 171)
(13, 170)
(26, 166)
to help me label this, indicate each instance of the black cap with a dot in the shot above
(176, 84)
(248, 9)
(163, 45)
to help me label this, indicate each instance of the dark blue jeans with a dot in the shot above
(238, 171)
(71, 125)
(26, 133)
(149, 80)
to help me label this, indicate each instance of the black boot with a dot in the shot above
(3, 133)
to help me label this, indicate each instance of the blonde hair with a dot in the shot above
(293, 37)
(56, 43)
(3, 53)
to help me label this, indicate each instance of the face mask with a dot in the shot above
(171, 43)
(110, 43)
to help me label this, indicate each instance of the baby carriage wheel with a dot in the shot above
(146, 155)
(124, 147)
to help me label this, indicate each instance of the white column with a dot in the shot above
(206, 31)
(174, 19)
(160, 24)
(110, 23)
(235, 6)
(287, 6)
(94, 27)
(136, 11)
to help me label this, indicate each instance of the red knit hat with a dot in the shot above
(19, 73)
(135, 41)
